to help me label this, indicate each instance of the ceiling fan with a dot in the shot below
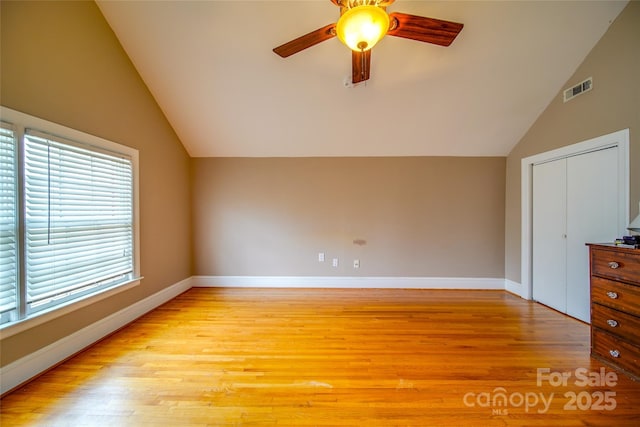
(363, 23)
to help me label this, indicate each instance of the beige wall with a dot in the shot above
(420, 216)
(62, 62)
(612, 105)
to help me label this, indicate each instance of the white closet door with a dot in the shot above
(549, 260)
(592, 216)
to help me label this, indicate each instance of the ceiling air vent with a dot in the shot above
(578, 89)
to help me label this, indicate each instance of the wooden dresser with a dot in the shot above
(615, 306)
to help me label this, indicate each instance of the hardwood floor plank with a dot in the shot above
(223, 357)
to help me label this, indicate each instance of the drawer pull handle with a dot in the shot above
(613, 265)
(614, 353)
(612, 295)
(612, 323)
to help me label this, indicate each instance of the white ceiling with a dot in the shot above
(210, 66)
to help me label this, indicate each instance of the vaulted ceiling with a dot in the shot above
(211, 68)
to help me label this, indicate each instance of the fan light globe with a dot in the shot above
(361, 27)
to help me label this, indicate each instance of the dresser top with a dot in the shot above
(613, 246)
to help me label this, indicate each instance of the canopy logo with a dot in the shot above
(500, 401)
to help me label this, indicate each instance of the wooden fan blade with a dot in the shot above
(306, 41)
(360, 66)
(422, 29)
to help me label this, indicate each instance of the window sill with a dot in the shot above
(13, 328)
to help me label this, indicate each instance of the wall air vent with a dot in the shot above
(578, 89)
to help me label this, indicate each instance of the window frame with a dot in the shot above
(13, 234)
(21, 122)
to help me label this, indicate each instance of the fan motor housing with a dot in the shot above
(349, 4)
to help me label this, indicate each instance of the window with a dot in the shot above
(76, 207)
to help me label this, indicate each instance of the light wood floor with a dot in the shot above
(333, 357)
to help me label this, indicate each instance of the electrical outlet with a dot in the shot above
(356, 263)
(335, 262)
(320, 256)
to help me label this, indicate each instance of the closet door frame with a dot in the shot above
(618, 139)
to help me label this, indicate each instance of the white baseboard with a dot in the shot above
(39, 361)
(347, 282)
(516, 288)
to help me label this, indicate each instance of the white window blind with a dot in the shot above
(8, 223)
(78, 219)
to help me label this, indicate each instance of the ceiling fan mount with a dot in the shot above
(345, 5)
(363, 23)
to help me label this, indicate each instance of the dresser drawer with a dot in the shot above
(616, 265)
(615, 351)
(620, 296)
(616, 322)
